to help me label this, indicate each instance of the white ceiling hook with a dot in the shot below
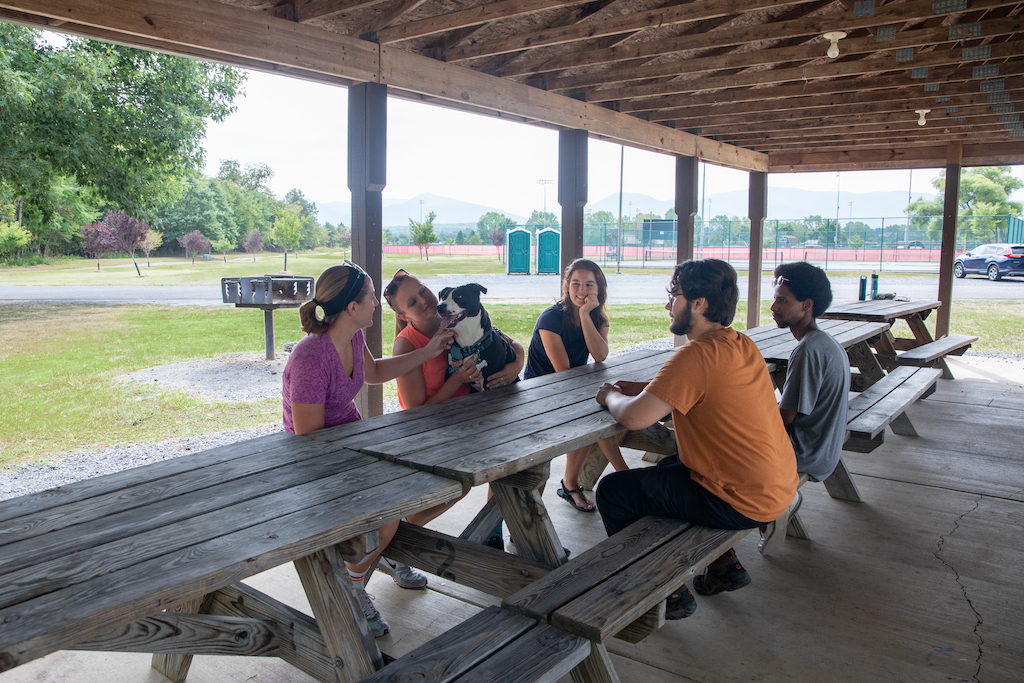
(834, 37)
(921, 112)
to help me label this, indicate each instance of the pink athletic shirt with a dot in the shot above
(314, 374)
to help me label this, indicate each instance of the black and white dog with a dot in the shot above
(462, 312)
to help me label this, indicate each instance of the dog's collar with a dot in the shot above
(459, 352)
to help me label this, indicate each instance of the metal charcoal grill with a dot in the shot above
(268, 292)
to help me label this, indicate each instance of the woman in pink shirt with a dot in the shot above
(328, 368)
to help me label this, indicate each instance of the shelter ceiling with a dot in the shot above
(740, 82)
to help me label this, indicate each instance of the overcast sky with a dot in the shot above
(299, 129)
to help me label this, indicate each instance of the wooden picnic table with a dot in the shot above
(889, 311)
(776, 344)
(92, 565)
(506, 438)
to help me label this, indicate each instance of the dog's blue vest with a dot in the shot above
(459, 352)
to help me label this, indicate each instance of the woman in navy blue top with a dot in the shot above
(566, 334)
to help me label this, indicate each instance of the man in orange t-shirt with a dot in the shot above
(736, 468)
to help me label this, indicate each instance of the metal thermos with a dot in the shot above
(863, 288)
(874, 285)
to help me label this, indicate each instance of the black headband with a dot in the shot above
(347, 295)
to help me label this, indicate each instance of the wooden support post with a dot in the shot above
(950, 208)
(572, 191)
(758, 207)
(596, 668)
(528, 522)
(687, 171)
(367, 176)
(840, 484)
(334, 603)
(175, 667)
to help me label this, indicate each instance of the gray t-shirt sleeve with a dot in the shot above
(817, 387)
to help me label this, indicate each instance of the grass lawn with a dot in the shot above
(58, 364)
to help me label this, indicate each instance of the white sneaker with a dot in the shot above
(378, 625)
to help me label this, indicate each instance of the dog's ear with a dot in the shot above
(481, 288)
(443, 294)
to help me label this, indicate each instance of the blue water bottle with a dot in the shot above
(874, 285)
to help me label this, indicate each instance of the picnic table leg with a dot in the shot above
(528, 522)
(923, 336)
(175, 667)
(338, 615)
(479, 530)
(596, 668)
(865, 360)
(840, 484)
(886, 350)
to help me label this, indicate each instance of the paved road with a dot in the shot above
(522, 288)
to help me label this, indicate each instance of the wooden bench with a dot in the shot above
(883, 404)
(934, 353)
(495, 645)
(618, 588)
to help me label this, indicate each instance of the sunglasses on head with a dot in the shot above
(396, 281)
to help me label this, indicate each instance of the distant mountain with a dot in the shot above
(783, 203)
(397, 212)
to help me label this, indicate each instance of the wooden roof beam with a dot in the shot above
(247, 38)
(927, 156)
(474, 16)
(1011, 50)
(814, 51)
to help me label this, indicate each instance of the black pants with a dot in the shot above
(663, 491)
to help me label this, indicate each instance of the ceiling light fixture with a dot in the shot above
(921, 112)
(834, 37)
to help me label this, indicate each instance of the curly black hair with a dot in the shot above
(807, 281)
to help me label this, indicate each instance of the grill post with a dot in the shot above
(268, 331)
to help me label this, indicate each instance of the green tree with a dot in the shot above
(422, 234)
(984, 194)
(491, 220)
(128, 122)
(539, 220)
(202, 208)
(12, 237)
(287, 232)
(151, 241)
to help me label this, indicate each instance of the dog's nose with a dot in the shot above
(442, 309)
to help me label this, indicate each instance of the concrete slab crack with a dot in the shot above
(977, 616)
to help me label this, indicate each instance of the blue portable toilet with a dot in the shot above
(517, 251)
(549, 244)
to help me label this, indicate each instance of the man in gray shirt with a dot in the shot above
(816, 392)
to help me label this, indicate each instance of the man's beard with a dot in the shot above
(682, 324)
(783, 324)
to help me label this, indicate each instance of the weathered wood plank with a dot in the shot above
(492, 571)
(305, 649)
(338, 615)
(489, 517)
(542, 655)
(182, 501)
(209, 479)
(650, 622)
(44, 566)
(600, 614)
(840, 484)
(176, 666)
(475, 424)
(872, 419)
(563, 585)
(35, 503)
(457, 650)
(63, 617)
(194, 634)
(596, 668)
(507, 457)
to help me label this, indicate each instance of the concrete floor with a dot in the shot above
(923, 581)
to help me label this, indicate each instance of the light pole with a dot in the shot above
(618, 242)
(545, 182)
(421, 209)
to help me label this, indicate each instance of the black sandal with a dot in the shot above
(566, 495)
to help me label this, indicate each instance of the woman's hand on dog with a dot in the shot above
(440, 342)
(468, 371)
